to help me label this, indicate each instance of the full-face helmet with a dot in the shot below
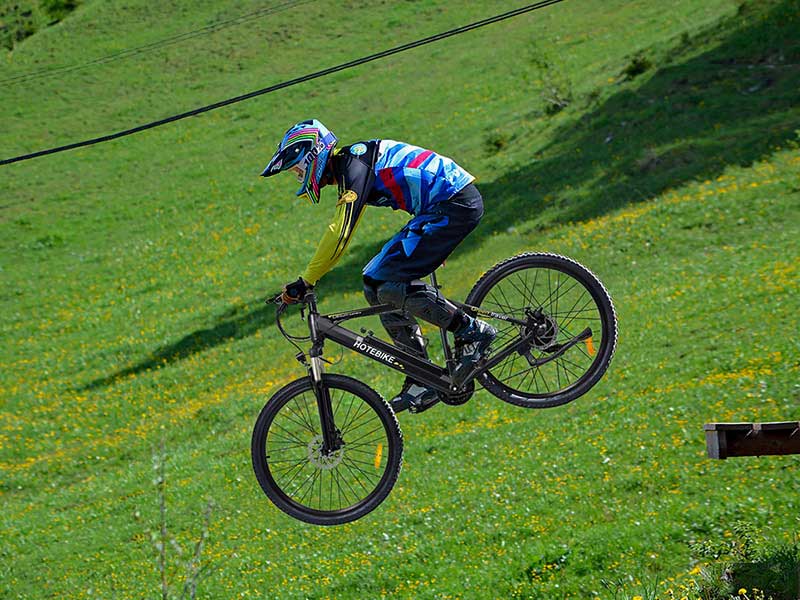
(304, 149)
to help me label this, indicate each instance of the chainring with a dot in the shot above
(459, 398)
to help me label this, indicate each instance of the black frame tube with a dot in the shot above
(385, 353)
(424, 371)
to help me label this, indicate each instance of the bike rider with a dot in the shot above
(445, 206)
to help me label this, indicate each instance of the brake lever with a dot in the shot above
(277, 299)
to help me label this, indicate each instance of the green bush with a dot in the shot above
(58, 9)
(17, 22)
(638, 65)
(20, 19)
(555, 87)
(746, 560)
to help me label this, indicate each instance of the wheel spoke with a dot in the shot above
(502, 293)
(349, 408)
(346, 465)
(350, 487)
(572, 318)
(503, 307)
(292, 437)
(312, 478)
(300, 470)
(544, 381)
(349, 462)
(335, 407)
(581, 348)
(307, 412)
(558, 374)
(286, 470)
(355, 416)
(300, 418)
(564, 359)
(530, 292)
(524, 295)
(549, 300)
(378, 428)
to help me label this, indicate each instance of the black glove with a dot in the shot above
(295, 291)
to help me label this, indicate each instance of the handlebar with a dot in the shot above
(308, 300)
(278, 299)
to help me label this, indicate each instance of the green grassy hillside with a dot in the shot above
(133, 275)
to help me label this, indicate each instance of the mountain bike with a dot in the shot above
(327, 448)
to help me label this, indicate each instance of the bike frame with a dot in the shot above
(444, 379)
(447, 380)
(450, 379)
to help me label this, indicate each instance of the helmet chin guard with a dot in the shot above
(308, 144)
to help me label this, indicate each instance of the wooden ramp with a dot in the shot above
(752, 439)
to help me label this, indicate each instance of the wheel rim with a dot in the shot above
(326, 483)
(567, 307)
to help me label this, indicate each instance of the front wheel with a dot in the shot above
(572, 319)
(327, 487)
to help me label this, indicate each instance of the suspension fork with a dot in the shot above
(331, 437)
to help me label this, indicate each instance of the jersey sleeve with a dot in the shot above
(355, 180)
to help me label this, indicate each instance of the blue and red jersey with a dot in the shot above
(414, 179)
(382, 173)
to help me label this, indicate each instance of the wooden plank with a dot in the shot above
(716, 444)
(752, 439)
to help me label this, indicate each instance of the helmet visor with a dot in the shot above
(286, 158)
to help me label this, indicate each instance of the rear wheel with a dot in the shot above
(566, 306)
(319, 487)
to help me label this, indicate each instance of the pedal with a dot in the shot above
(399, 405)
(422, 407)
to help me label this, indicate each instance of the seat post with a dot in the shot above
(448, 354)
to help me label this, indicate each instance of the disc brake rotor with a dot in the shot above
(545, 331)
(320, 460)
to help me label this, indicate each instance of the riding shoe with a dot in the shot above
(473, 341)
(415, 397)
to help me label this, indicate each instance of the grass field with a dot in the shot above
(133, 275)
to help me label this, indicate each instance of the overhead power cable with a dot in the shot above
(181, 37)
(291, 82)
